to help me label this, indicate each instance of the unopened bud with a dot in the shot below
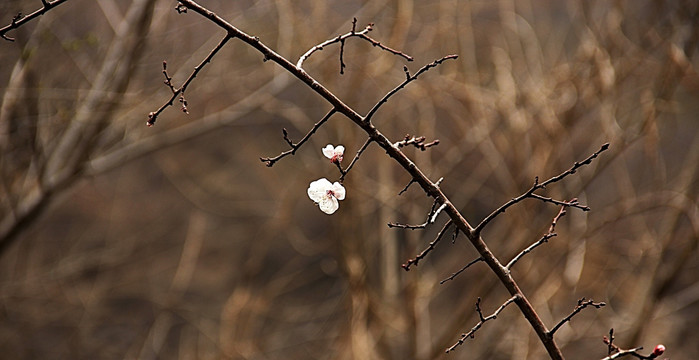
(659, 350)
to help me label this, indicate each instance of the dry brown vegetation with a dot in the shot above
(120, 241)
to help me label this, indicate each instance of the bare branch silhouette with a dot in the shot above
(153, 116)
(345, 171)
(409, 79)
(430, 247)
(616, 352)
(431, 189)
(341, 39)
(582, 304)
(471, 334)
(19, 19)
(454, 275)
(544, 238)
(530, 193)
(295, 146)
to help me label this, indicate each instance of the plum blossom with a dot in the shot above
(326, 194)
(334, 153)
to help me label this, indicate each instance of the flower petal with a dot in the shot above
(338, 190)
(328, 204)
(329, 151)
(318, 189)
(340, 150)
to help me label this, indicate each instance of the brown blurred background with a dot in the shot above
(120, 241)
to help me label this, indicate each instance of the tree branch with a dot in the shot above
(471, 334)
(582, 304)
(341, 39)
(544, 238)
(429, 187)
(354, 160)
(408, 80)
(429, 248)
(19, 20)
(270, 161)
(452, 276)
(152, 117)
(530, 193)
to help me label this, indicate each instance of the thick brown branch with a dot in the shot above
(431, 188)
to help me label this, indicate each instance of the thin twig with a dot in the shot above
(575, 167)
(632, 352)
(19, 20)
(615, 352)
(530, 193)
(354, 160)
(270, 161)
(154, 115)
(412, 181)
(493, 316)
(544, 238)
(431, 217)
(582, 303)
(573, 203)
(418, 142)
(408, 79)
(452, 276)
(429, 248)
(341, 39)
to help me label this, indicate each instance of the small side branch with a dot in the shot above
(431, 217)
(629, 352)
(582, 304)
(418, 142)
(429, 248)
(493, 316)
(152, 117)
(575, 167)
(537, 185)
(545, 238)
(412, 181)
(454, 275)
(615, 352)
(572, 203)
(354, 160)
(341, 39)
(295, 146)
(409, 79)
(19, 19)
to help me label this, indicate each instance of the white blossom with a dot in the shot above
(334, 153)
(326, 195)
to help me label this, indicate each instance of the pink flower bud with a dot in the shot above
(659, 350)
